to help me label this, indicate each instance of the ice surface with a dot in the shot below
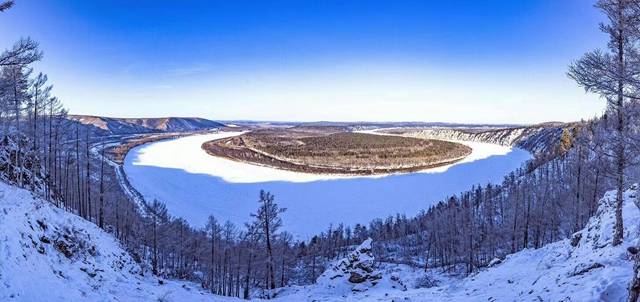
(195, 184)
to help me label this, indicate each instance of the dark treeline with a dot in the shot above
(546, 200)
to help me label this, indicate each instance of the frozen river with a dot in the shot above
(194, 185)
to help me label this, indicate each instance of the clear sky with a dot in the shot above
(454, 61)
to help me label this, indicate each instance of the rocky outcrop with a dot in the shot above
(357, 267)
(358, 272)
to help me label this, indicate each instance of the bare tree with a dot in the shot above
(213, 230)
(157, 213)
(613, 75)
(23, 52)
(267, 222)
(5, 5)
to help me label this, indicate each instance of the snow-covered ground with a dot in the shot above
(48, 254)
(594, 270)
(194, 185)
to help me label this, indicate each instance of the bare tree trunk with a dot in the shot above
(101, 210)
(267, 231)
(620, 162)
(80, 207)
(237, 294)
(282, 272)
(155, 247)
(117, 213)
(620, 165)
(246, 279)
(578, 221)
(88, 176)
(213, 250)
(634, 286)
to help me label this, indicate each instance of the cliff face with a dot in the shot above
(535, 139)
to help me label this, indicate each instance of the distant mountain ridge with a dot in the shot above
(363, 125)
(118, 126)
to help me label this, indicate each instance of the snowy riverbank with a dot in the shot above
(194, 184)
(186, 154)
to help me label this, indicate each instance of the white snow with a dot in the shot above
(186, 153)
(34, 268)
(594, 270)
(194, 185)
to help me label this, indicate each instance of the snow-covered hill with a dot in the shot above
(173, 124)
(48, 254)
(121, 126)
(587, 269)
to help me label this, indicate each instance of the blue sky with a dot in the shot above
(458, 61)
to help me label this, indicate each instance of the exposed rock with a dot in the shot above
(44, 239)
(357, 278)
(63, 248)
(426, 281)
(575, 240)
(358, 268)
(396, 282)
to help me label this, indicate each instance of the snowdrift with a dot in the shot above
(48, 254)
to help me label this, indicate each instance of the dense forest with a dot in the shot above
(547, 199)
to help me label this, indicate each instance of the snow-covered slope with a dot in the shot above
(48, 254)
(109, 126)
(120, 126)
(173, 124)
(535, 139)
(590, 269)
